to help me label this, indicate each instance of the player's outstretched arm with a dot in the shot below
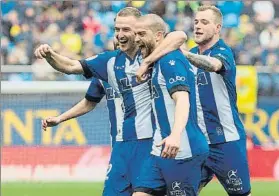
(57, 61)
(172, 142)
(204, 62)
(81, 108)
(172, 42)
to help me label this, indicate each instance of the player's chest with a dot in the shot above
(125, 76)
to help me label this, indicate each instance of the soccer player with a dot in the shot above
(96, 91)
(218, 116)
(179, 150)
(118, 68)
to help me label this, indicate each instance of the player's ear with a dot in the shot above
(159, 35)
(218, 29)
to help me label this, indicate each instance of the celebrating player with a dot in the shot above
(218, 116)
(179, 150)
(95, 92)
(118, 68)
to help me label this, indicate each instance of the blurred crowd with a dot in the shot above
(80, 29)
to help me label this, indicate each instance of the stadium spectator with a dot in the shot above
(86, 28)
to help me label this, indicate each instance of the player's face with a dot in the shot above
(145, 38)
(124, 32)
(205, 27)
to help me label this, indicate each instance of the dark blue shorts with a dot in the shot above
(125, 165)
(174, 177)
(228, 161)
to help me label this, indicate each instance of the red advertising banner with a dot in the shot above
(90, 163)
(264, 163)
(54, 163)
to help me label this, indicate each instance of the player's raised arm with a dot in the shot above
(172, 41)
(81, 108)
(57, 61)
(93, 96)
(204, 62)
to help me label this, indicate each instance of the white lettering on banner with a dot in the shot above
(53, 173)
(176, 79)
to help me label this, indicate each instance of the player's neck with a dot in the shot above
(206, 46)
(158, 42)
(132, 53)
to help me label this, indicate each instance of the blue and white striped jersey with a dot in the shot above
(96, 91)
(218, 115)
(134, 119)
(170, 74)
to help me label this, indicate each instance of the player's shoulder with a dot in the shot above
(104, 55)
(222, 48)
(172, 56)
(112, 53)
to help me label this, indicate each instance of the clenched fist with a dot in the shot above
(50, 122)
(42, 51)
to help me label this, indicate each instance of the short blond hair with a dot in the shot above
(129, 11)
(155, 22)
(215, 10)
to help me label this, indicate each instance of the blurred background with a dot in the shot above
(78, 150)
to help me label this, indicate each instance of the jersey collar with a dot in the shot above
(208, 51)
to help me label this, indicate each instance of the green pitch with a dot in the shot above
(95, 189)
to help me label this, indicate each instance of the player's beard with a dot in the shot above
(147, 49)
(205, 40)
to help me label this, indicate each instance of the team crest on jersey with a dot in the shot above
(177, 190)
(234, 182)
(219, 131)
(172, 62)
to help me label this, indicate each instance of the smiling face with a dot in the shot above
(124, 32)
(145, 38)
(150, 30)
(206, 27)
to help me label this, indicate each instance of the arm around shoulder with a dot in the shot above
(204, 62)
